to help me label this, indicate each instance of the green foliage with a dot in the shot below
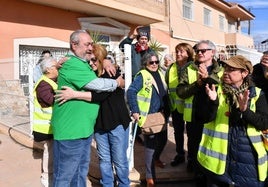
(96, 36)
(156, 46)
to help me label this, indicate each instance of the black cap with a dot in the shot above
(144, 31)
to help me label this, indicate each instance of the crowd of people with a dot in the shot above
(220, 103)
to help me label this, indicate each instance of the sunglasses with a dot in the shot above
(93, 60)
(202, 50)
(154, 62)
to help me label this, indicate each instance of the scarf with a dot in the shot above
(232, 92)
(161, 88)
(140, 48)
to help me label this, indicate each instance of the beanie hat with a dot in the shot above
(239, 62)
(144, 31)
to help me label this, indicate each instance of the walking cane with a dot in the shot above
(133, 139)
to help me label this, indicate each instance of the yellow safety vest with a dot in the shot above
(42, 116)
(188, 102)
(173, 80)
(145, 94)
(213, 147)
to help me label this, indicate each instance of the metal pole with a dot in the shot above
(31, 66)
(128, 80)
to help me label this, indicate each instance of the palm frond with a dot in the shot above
(155, 45)
(96, 36)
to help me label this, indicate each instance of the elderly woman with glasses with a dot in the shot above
(204, 70)
(149, 83)
(231, 151)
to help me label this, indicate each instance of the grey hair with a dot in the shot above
(208, 42)
(74, 38)
(46, 63)
(169, 57)
(147, 58)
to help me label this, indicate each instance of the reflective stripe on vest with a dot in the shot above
(145, 94)
(213, 147)
(42, 116)
(173, 81)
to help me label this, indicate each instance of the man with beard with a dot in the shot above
(73, 122)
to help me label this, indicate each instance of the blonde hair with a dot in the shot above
(100, 53)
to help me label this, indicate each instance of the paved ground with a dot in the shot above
(20, 164)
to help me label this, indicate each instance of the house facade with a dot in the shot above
(216, 20)
(29, 26)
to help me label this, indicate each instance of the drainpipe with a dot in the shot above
(249, 23)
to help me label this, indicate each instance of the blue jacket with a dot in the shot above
(241, 158)
(132, 91)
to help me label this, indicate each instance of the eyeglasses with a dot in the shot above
(154, 62)
(93, 60)
(202, 50)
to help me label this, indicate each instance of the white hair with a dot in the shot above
(110, 57)
(46, 63)
(169, 57)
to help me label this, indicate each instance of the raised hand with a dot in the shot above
(243, 100)
(211, 92)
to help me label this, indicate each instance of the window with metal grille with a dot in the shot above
(28, 58)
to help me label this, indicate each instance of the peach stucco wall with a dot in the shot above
(20, 20)
(194, 30)
(233, 38)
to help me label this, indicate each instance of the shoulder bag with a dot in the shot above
(154, 123)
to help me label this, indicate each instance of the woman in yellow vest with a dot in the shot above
(231, 151)
(44, 92)
(148, 94)
(184, 57)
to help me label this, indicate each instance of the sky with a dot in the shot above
(259, 26)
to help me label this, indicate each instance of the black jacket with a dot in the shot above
(259, 79)
(113, 110)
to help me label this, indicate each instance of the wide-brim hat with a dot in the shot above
(239, 62)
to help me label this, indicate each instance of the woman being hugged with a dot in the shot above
(111, 130)
(231, 151)
(146, 95)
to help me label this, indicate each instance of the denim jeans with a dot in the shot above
(71, 162)
(112, 151)
(149, 149)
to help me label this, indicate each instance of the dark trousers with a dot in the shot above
(195, 131)
(160, 143)
(179, 126)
